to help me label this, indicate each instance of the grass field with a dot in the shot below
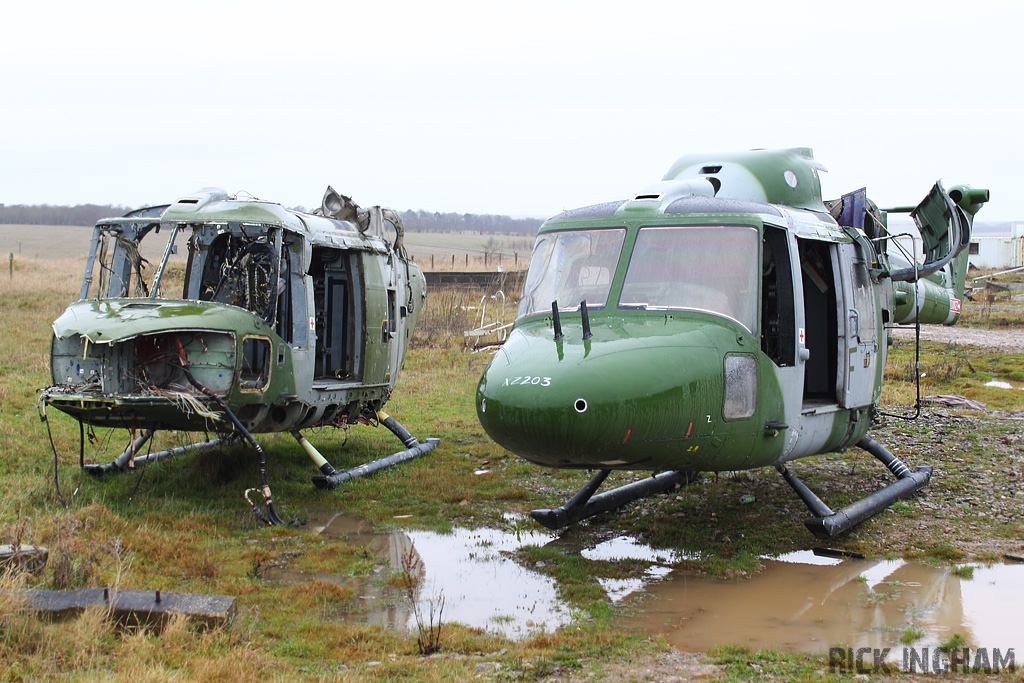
(464, 251)
(44, 241)
(185, 527)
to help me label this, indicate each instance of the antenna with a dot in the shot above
(586, 320)
(558, 322)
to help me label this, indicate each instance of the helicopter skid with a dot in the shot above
(827, 524)
(585, 504)
(121, 462)
(332, 478)
(339, 477)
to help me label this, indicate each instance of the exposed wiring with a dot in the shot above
(271, 516)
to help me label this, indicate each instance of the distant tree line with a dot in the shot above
(415, 221)
(427, 221)
(48, 214)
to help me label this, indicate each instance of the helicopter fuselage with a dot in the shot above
(292, 319)
(720, 321)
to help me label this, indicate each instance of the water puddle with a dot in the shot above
(1000, 384)
(799, 602)
(482, 586)
(804, 603)
(626, 548)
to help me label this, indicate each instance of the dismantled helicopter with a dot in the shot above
(723, 319)
(282, 320)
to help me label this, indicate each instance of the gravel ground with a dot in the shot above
(973, 505)
(1010, 340)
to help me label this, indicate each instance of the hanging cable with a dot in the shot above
(271, 516)
(53, 447)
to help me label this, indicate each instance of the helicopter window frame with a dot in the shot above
(122, 263)
(740, 396)
(255, 363)
(237, 264)
(736, 300)
(561, 261)
(778, 311)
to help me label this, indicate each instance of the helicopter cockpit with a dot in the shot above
(672, 268)
(707, 269)
(569, 267)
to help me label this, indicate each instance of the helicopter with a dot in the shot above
(725, 318)
(281, 320)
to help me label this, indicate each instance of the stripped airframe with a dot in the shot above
(281, 320)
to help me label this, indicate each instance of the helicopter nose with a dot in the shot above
(568, 405)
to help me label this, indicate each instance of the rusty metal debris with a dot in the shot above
(955, 400)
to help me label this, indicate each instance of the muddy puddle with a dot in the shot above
(801, 602)
(471, 569)
(798, 602)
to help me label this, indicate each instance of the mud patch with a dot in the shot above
(804, 603)
(799, 602)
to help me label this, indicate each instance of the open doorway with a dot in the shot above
(821, 330)
(338, 314)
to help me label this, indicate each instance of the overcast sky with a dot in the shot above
(522, 108)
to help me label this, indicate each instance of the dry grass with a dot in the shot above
(452, 311)
(188, 529)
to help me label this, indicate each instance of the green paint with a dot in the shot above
(706, 350)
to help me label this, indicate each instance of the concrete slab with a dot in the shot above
(134, 608)
(23, 558)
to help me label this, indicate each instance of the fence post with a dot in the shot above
(11, 263)
(431, 261)
(467, 260)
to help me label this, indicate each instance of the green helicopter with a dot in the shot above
(725, 318)
(282, 321)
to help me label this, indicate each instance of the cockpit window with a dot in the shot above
(122, 263)
(569, 267)
(240, 265)
(703, 268)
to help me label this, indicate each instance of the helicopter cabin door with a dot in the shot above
(338, 311)
(860, 312)
(818, 338)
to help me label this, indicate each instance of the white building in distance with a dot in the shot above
(999, 252)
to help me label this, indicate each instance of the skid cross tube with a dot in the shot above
(120, 463)
(827, 523)
(331, 478)
(585, 504)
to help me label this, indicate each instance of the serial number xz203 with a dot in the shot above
(523, 381)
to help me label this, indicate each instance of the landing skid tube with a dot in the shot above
(121, 462)
(827, 523)
(332, 478)
(585, 504)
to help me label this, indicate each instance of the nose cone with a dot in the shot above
(614, 401)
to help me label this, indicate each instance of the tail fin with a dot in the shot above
(931, 292)
(944, 220)
(969, 200)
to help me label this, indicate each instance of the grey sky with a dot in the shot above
(522, 108)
